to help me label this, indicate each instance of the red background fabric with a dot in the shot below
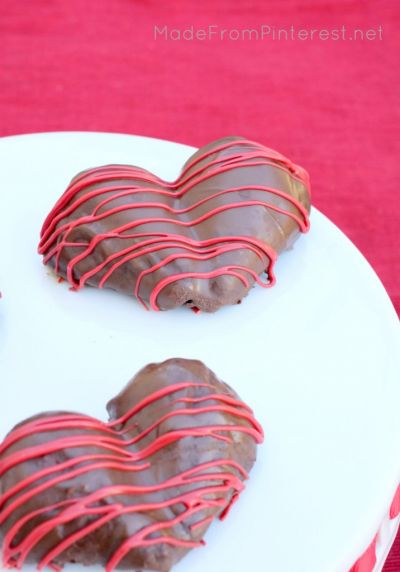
(330, 105)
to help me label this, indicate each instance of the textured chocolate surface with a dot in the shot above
(201, 241)
(213, 427)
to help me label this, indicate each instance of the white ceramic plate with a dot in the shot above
(317, 357)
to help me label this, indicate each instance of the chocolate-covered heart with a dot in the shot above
(137, 492)
(203, 240)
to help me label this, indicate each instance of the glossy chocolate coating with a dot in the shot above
(171, 460)
(274, 229)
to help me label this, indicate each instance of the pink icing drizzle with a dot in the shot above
(221, 478)
(55, 233)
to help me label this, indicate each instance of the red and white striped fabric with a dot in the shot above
(373, 558)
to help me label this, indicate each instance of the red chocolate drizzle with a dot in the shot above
(223, 477)
(55, 233)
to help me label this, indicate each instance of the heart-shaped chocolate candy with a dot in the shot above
(202, 241)
(137, 492)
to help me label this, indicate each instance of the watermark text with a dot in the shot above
(265, 33)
